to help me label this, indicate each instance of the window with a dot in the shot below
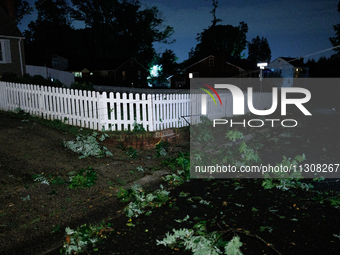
(139, 74)
(131, 62)
(211, 61)
(5, 51)
(123, 75)
(193, 75)
(78, 74)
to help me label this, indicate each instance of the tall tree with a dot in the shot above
(22, 8)
(336, 39)
(121, 29)
(168, 61)
(228, 39)
(50, 34)
(213, 13)
(259, 50)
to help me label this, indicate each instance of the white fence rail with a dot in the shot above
(116, 111)
(103, 88)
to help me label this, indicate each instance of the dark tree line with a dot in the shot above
(114, 31)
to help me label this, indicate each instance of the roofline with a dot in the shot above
(15, 37)
(129, 60)
(210, 56)
(235, 66)
(292, 60)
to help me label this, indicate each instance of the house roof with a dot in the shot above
(210, 56)
(296, 62)
(8, 26)
(130, 60)
(100, 65)
(242, 63)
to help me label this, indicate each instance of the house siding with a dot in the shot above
(131, 75)
(15, 65)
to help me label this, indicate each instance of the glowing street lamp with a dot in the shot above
(261, 65)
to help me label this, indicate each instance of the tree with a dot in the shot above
(259, 50)
(213, 12)
(228, 39)
(120, 29)
(168, 61)
(50, 34)
(336, 40)
(22, 8)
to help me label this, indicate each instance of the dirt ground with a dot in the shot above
(30, 210)
(268, 221)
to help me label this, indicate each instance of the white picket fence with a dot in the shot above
(116, 111)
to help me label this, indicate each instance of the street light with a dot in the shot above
(261, 65)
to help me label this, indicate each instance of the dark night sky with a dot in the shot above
(293, 28)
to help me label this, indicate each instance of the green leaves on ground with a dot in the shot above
(88, 145)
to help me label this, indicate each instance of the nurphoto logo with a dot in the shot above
(238, 104)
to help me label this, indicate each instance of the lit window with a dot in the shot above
(78, 74)
(297, 69)
(124, 75)
(191, 75)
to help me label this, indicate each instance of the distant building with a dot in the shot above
(220, 66)
(12, 55)
(289, 68)
(127, 74)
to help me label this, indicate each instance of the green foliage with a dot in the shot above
(234, 135)
(131, 152)
(182, 161)
(161, 148)
(78, 240)
(40, 178)
(284, 180)
(88, 145)
(28, 79)
(82, 86)
(203, 131)
(139, 200)
(138, 127)
(174, 179)
(83, 179)
(200, 242)
(56, 180)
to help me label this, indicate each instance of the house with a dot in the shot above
(220, 66)
(12, 56)
(131, 74)
(289, 68)
(127, 74)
